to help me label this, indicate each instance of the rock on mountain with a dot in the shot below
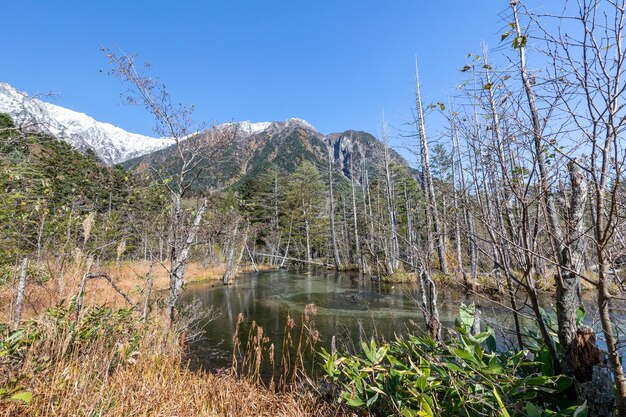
(255, 147)
(110, 143)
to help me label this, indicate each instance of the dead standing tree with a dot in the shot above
(432, 212)
(434, 230)
(195, 152)
(331, 209)
(587, 87)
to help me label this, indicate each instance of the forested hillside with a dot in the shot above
(283, 145)
(50, 189)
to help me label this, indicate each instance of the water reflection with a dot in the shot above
(348, 306)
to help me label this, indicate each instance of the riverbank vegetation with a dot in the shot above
(525, 193)
(465, 376)
(99, 361)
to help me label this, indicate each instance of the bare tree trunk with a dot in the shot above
(331, 198)
(233, 267)
(457, 226)
(567, 283)
(149, 285)
(367, 212)
(179, 262)
(40, 236)
(307, 235)
(431, 200)
(429, 304)
(468, 217)
(410, 238)
(21, 287)
(308, 254)
(554, 229)
(231, 264)
(251, 255)
(355, 223)
(604, 299)
(394, 246)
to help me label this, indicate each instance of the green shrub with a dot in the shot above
(416, 376)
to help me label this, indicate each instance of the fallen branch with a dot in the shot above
(294, 259)
(94, 275)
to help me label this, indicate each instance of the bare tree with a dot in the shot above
(194, 153)
(355, 222)
(21, 288)
(587, 81)
(331, 210)
(392, 251)
(432, 213)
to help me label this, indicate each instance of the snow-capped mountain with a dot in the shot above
(253, 148)
(248, 128)
(110, 143)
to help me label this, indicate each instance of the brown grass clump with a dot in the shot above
(108, 363)
(154, 386)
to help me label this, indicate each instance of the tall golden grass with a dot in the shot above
(297, 350)
(101, 361)
(71, 372)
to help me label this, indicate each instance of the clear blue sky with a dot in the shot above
(337, 64)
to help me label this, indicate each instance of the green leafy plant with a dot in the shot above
(416, 376)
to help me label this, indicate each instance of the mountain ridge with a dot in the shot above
(284, 144)
(110, 143)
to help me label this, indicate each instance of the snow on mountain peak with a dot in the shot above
(110, 143)
(301, 122)
(249, 128)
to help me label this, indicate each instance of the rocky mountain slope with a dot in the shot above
(110, 143)
(249, 148)
(253, 147)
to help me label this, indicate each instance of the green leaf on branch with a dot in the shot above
(519, 41)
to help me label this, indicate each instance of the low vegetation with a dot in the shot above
(100, 361)
(466, 376)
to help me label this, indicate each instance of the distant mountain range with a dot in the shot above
(110, 143)
(254, 147)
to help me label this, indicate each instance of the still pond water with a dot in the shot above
(349, 306)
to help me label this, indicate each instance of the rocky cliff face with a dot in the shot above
(283, 145)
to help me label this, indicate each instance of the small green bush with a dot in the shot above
(416, 376)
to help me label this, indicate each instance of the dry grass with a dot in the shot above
(399, 277)
(129, 276)
(114, 375)
(154, 386)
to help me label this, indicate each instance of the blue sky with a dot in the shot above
(337, 64)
